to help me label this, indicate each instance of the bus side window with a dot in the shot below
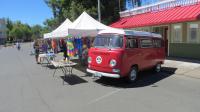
(131, 43)
(146, 43)
(157, 43)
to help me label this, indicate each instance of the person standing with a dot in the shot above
(64, 48)
(37, 50)
(54, 46)
(44, 46)
(84, 55)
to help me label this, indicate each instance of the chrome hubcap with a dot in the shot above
(133, 75)
(158, 67)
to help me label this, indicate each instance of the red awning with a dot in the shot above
(173, 15)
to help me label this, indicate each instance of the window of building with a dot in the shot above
(146, 43)
(1, 34)
(147, 29)
(193, 33)
(130, 4)
(177, 34)
(131, 43)
(159, 30)
(2, 27)
(156, 29)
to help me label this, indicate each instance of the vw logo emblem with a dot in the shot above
(98, 59)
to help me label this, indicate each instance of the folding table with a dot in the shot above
(65, 66)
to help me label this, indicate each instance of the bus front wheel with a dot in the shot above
(157, 68)
(132, 77)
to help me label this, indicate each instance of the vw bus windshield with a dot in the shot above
(109, 41)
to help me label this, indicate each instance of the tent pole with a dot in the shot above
(99, 11)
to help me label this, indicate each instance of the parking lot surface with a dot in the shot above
(28, 87)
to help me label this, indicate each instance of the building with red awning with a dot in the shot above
(178, 21)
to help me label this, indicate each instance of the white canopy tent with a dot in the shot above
(47, 35)
(61, 31)
(85, 25)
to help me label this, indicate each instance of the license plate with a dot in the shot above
(97, 74)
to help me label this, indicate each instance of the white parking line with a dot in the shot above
(104, 96)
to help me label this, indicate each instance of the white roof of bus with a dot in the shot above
(130, 32)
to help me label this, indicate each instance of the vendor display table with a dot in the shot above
(46, 56)
(65, 66)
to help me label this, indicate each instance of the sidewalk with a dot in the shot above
(190, 68)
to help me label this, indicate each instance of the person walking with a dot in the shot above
(18, 45)
(37, 50)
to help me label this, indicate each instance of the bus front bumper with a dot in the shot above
(100, 74)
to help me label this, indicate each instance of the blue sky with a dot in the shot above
(27, 11)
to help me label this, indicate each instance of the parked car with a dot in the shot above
(123, 53)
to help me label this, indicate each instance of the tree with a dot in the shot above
(16, 33)
(58, 8)
(16, 30)
(37, 32)
(51, 23)
(71, 9)
(19, 31)
(75, 10)
(110, 11)
(9, 26)
(26, 31)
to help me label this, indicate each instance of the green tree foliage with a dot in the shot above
(19, 31)
(63, 9)
(58, 8)
(9, 25)
(27, 32)
(36, 32)
(71, 9)
(51, 23)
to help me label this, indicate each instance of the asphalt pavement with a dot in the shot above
(28, 87)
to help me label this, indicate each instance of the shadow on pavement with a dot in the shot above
(145, 78)
(49, 66)
(80, 66)
(73, 79)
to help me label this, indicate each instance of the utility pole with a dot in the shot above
(119, 5)
(99, 11)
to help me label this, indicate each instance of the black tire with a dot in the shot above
(157, 68)
(132, 77)
(103, 78)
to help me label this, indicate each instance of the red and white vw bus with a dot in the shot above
(123, 53)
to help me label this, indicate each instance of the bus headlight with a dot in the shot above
(113, 63)
(89, 59)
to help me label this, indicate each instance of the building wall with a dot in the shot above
(186, 47)
(185, 50)
(183, 46)
(183, 38)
